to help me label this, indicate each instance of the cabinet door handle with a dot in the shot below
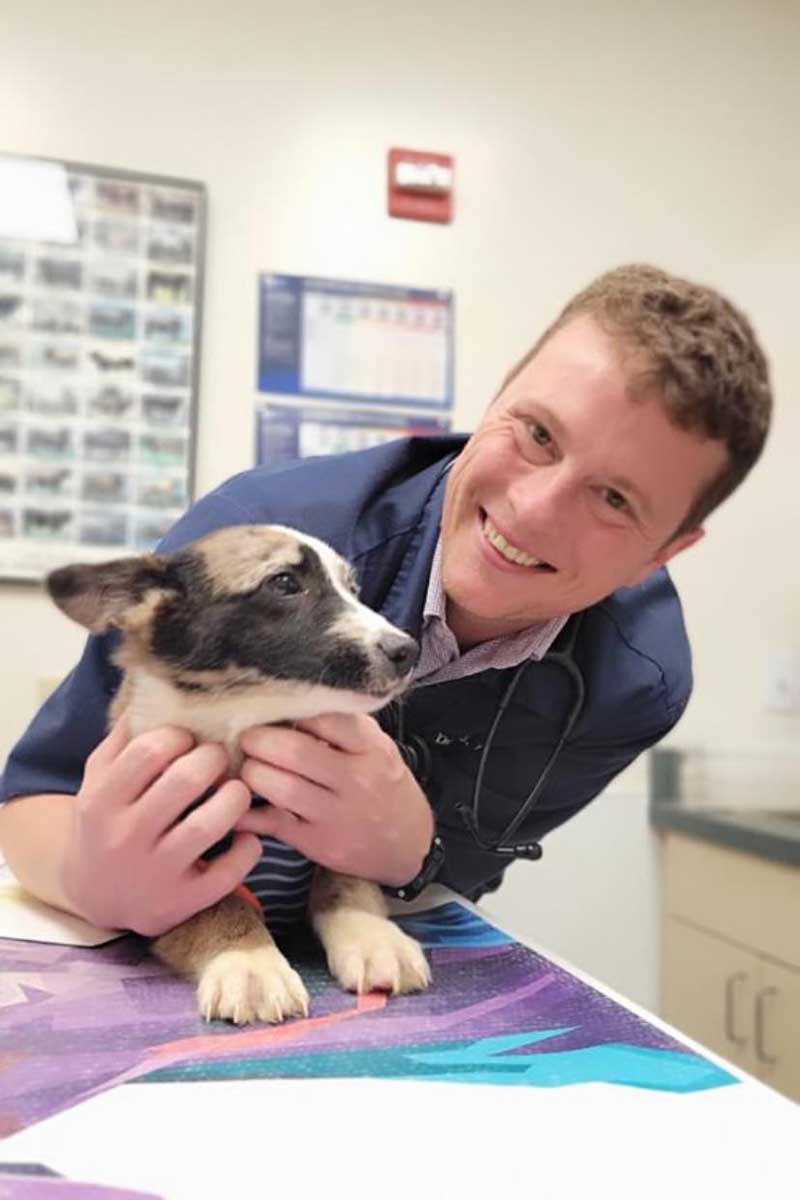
(761, 1051)
(730, 1008)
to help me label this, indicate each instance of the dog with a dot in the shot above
(249, 625)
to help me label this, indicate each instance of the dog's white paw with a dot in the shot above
(244, 986)
(367, 953)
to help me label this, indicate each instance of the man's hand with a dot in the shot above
(132, 859)
(341, 794)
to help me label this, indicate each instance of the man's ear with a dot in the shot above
(668, 551)
(97, 595)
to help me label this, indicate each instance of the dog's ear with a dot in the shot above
(98, 595)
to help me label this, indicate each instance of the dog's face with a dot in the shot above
(244, 608)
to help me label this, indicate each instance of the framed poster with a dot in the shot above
(336, 340)
(286, 432)
(99, 362)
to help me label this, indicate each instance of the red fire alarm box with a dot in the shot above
(420, 185)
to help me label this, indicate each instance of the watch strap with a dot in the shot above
(430, 868)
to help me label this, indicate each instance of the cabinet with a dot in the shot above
(731, 957)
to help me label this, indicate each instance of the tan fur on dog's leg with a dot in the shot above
(366, 951)
(241, 974)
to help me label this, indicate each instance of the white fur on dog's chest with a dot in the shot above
(152, 702)
(222, 717)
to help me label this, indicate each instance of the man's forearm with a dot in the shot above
(34, 831)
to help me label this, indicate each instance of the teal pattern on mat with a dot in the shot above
(497, 1013)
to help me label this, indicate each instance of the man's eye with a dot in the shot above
(616, 499)
(284, 583)
(540, 435)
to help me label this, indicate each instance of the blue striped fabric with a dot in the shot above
(281, 880)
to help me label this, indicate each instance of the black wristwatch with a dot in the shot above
(427, 872)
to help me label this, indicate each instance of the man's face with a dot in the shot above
(566, 491)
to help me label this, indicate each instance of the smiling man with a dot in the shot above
(529, 562)
(576, 483)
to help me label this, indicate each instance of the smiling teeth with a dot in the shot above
(512, 553)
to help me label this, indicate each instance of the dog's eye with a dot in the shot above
(284, 584)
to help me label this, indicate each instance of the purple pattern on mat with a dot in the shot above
(77, 1020)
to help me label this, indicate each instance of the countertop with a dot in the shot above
(769, 834)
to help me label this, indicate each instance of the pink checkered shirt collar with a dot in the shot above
(441, 660)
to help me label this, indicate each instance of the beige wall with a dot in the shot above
(585, 134)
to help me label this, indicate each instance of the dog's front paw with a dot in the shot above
(368, 953)
(251, 985)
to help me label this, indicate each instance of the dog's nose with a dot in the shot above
(400, 649)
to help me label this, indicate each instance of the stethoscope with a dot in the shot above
(417, 753)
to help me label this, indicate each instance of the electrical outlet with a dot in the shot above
(782, 691)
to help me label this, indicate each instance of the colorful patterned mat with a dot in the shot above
(79, 1021)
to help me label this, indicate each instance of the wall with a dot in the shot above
(584, 135)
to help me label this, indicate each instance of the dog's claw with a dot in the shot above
(368, 953)
(244, 986)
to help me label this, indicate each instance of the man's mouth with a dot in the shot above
(509, 551)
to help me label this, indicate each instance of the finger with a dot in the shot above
(216, 879)
(112, 744)
(122, 781)
(179, 787)
(284, 789)
(276, 823)
(351, 732)
(206, 824)
(263, 820)
(292, 750)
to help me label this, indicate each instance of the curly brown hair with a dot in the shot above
(696, 352)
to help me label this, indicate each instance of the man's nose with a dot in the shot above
(543, 495)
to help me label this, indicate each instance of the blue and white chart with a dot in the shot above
(341, 340)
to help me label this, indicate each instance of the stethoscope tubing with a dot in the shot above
(504, 845)
(417, 753)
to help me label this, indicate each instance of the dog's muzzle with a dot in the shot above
(400, 651)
